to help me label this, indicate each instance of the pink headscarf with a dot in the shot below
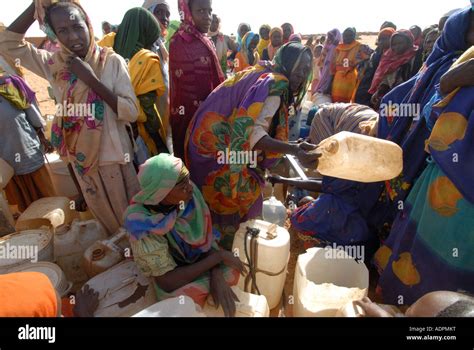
(188, 28)
(391, 61)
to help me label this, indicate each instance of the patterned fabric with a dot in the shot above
(337, 117)
(189, 230)
(194, 73)
(162, 241)
(223, 124)
(408, 131)
(16, 90)
(78, 137)
(430, 245)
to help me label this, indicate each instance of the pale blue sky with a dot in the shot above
(307, 16)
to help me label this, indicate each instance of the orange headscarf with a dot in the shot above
(27, 294)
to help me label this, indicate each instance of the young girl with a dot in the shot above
(94, 85)
(195, 70)
(136, 35)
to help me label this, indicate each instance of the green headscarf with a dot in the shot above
(285, 62)
(139, 29)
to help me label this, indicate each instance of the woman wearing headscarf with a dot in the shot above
(408, 127)
(243, 29)
(276, 41)
(264, 33)
(383, 44)
(334, 218)
(173, 240)
(134, 41)
(94, 140)
(297, 38)
(317, 53)
(345, 66)
(195, 70)
(222, 42)
(430, 245)
(288, 31)
(247, 115)
(327, 56)
(247, 56)
(161, 10)
(396, 66)
(23, 144)
(430, 38)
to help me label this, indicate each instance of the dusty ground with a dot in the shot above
(40, 86)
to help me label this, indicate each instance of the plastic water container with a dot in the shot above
(23, 246)
(274, 211)
(123, 291)
(60, 177)
(182, 306)
(269, 255)
(361, 158)
(50, 211)
(326, 280)
(249, 305)
(6, 173)
(102, 255)
(70, 243)
(53, 271)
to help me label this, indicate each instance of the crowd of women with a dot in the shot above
(146, 157)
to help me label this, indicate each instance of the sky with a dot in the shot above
(307, 16)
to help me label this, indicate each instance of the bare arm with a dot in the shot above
(269, 144)
(309, 185)
(24, 21)
(181, 276)
(184, 275)
(460, 76)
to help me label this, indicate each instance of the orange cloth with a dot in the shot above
(27, 294)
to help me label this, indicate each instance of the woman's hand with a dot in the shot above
(47, 146)
(87, 302)
(274, 179)
(82, 69)
(230, 260)
(222, 293)
(307, 155)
